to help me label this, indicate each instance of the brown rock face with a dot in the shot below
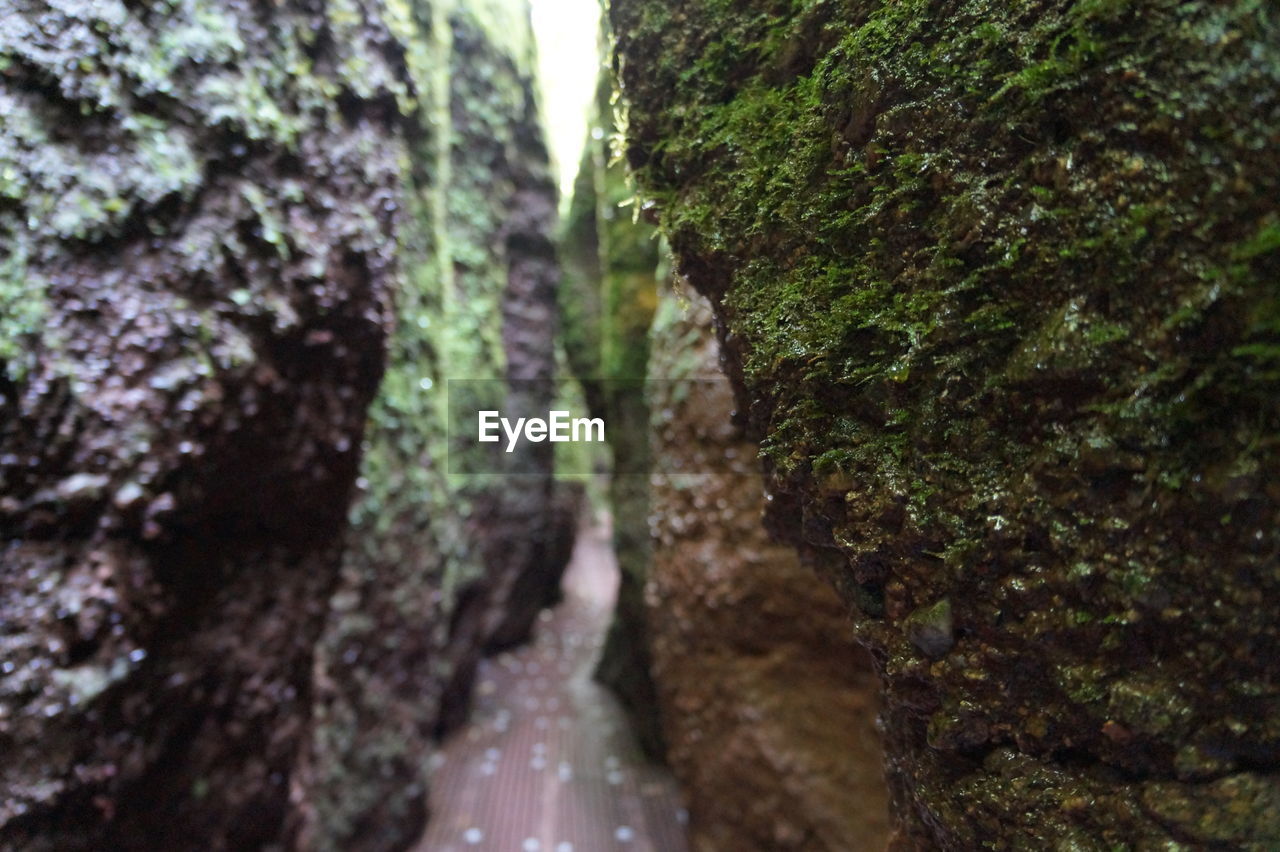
(196, 296)
(768, 704)
(222, 224)
(997, 288)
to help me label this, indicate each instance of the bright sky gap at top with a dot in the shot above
(568, 61)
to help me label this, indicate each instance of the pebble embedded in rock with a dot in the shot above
(930, 628)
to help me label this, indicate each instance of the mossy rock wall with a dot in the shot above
(200, 209)
(997, 285)
(607, 306)
(221, 224)
(441, 567)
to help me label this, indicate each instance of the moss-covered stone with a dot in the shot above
(997, 282)
(222, 225)
(197, 233)
(441, 567)
(607, 307)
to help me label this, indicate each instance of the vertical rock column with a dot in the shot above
(199, 203)
(608, 304)
(996, 285)
(501, 317)
(768, 704)
(440, 567)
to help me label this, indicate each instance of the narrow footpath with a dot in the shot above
(548, 762)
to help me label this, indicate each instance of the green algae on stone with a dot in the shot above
(930, 628)
(997, 281)
(606, 308)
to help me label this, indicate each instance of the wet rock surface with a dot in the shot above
(443, 568)
(996, 289)
(192, 324)
(223, 226)
(769, 705)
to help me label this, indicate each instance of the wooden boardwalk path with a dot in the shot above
(548, 763)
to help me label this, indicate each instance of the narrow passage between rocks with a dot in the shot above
(548, 762)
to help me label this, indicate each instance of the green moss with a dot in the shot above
(246, 104)
(415, 543)
(1239, 810)
(22, 313)
(1000, 279)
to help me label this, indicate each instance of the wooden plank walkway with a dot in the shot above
(548, 763)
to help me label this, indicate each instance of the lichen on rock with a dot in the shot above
(222, 240)
(193, 310)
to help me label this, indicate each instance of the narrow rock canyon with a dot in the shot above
(936, 351)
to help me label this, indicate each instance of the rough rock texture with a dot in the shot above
(443, 568)
(607, 304)
(198, 206)
(997, 285)
(501, 215)
(768, 704)
(215, 219)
